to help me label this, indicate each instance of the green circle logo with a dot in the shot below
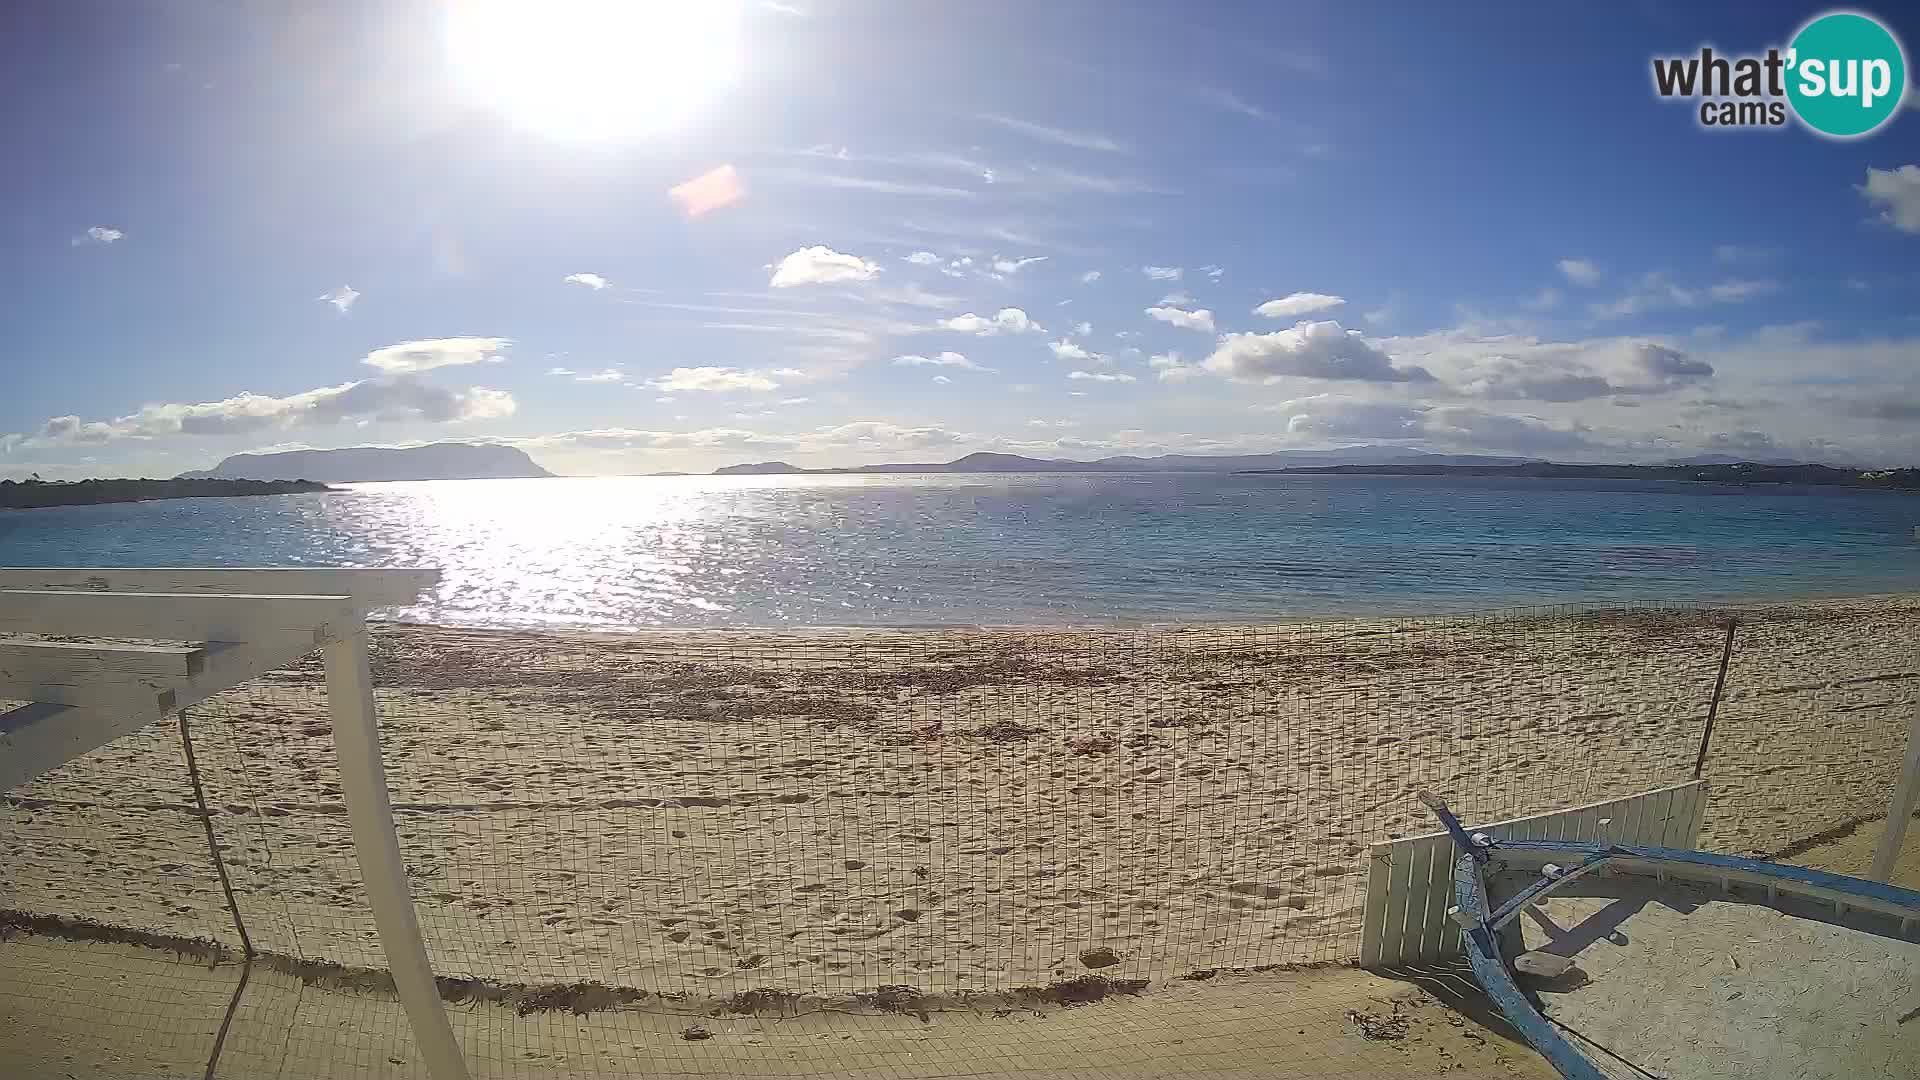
(1846, 74)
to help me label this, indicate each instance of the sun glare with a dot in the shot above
(594, 69)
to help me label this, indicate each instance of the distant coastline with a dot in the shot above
(1745, 472)
(36, 494)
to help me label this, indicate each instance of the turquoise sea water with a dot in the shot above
(611, 552)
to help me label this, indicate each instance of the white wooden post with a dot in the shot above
(363, 778)
(1900, 812)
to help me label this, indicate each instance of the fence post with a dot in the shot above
(363, 779)
(1713, 707)
(1900, 813)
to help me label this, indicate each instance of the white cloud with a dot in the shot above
(1222, 98)
(341, 298)
(941, 380)
(1313, 350)
(1294, 305)
(1520, 367)
(1177, 296)
(1072, 350)
(845, 182)
(1004, 265)
(1101, 376)
(945, 359)
(560, 371)
(1580, 271)
(1652, 292)
(922, 258)
(1082, 328)
(1090, 277)
(820, 265)
(1171, 368)
(1897, 193)
(1162, 273)
(1734, 292)
(609, 375)
(1214, 272)
(913, 296)
(1083, 140)
(591, 281)
(715, 380)
(99, 234)
(1006, 321)
(1331, 417)
(410, 357)
(1655, 292)
(1186, 320)
(1051, 179)
(1546, 299)
(400, 398)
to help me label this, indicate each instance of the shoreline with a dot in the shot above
(1543, 609)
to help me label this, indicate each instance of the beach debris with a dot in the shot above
(1080, 990)
(696, 1032)
(1376, 1028)
(1544, 964)
(895, 998)
(1099, 957)
(759, 1000)
(1006, 731)
(1087, 745)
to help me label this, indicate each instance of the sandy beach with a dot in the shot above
(957, 811)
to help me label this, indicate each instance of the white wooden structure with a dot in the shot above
(1410, 881)
(219, 629)
(1906, 799)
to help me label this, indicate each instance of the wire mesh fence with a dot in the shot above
(683, 826)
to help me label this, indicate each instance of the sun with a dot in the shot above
(594, 69)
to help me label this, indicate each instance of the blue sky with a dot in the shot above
(1062, 229)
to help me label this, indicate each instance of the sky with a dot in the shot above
(674, 236)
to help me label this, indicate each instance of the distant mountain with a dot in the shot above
(1739, 472)
(1731, 459)
(439, 461)
(758, 468)
(1016, 463)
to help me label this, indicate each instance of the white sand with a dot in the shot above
(955, 811)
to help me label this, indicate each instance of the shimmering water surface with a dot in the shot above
(611, 552)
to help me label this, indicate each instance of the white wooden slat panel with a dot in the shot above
(369, 588)
(1400, 927)
(1437, 930)
(1379, 868)
(1393, 938)
(34, 659)
(171, 616)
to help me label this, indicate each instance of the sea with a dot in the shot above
(1031, 549)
